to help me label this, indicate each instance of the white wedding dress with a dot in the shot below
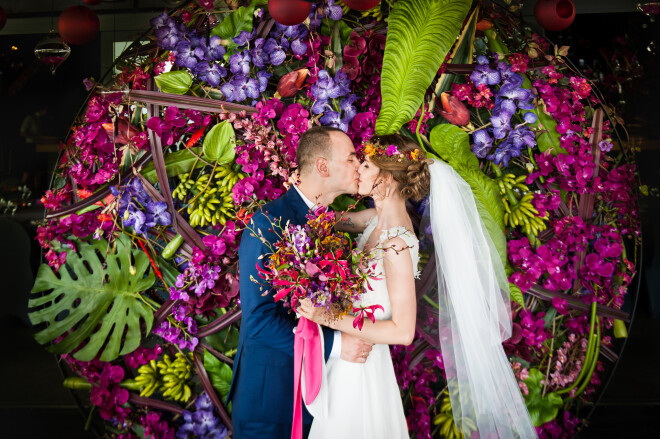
(364, 401)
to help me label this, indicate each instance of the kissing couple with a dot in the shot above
(363, 398)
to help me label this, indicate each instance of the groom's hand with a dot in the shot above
(354, 349)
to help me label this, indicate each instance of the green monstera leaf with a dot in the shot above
(541, 408)
(453, 145)
(419, 35)
(92, 303)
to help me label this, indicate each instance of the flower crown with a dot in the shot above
(375, 149)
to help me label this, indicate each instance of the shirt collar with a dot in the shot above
(307, 201)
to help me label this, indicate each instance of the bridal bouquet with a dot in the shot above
(313, 261)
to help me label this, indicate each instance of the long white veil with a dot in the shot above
(475, 314)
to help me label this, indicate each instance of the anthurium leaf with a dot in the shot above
(176, 163)
(93, 303)
(453, 144)
(541, 408)
(177, 82)
(235, 22)
(489, 205)
(220, 374)
(419, 35)
(516, 294)
(220, 143)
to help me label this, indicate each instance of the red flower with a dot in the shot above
(454, 110)
(365, 310)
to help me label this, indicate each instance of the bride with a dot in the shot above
(363, 399)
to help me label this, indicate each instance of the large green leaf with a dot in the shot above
(462, 53)
(541, 408)
(453, 145)
(235, 22)
(93, 302)
(419, 35)
(220, 374)
(176, 163)
(220, 143)
(489, 204)
(176, 82)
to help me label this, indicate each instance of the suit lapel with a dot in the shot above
(298, 207)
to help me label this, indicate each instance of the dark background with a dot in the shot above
(33, 404)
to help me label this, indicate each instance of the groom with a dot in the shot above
(262, 385)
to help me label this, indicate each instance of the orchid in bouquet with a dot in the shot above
(313, 261)
(164, 168)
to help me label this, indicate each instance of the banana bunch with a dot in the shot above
(176, 373)
(211, 202)
(522, 213)
(525, 215)
(510, 182)
(148, 378)
(445, 419)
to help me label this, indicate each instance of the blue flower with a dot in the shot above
(334, 12)
(530, 117)
(240, 63)
(259, 56)
(276, 50)
(482, 143)
(185, 55)
(501, 124)
(483, 74)
(522, 136)
(215, 48)
(262, 78)
(333, 119)
(348, 108)
(504, 152)
(482, 60)
(239, 88)
(298, 47)
(243, 37)
(159, 211)
(210, 73)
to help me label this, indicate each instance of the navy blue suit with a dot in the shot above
(262, 387)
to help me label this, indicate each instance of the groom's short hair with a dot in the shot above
(315, 142)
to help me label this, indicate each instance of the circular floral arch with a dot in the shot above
(158, 177)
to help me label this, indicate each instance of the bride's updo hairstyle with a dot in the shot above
(404, 160)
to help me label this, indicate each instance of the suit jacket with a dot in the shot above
(262, 384)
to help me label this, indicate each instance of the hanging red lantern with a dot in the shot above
(554, 15)
(361, 5)
(3, 17)
(289, 12)
(78, 25)
(93, 2)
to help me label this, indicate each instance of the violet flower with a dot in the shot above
(482, 143)
(276, 50)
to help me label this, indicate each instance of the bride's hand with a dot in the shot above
(310, 312)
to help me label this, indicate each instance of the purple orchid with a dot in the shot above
(482, 143)
(240, 63)
(483, 74)
(333, 119)
(259, 54)
(276, 50)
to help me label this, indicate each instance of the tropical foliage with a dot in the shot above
(159, 176)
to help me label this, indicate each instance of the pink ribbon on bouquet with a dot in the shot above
(307, 354)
